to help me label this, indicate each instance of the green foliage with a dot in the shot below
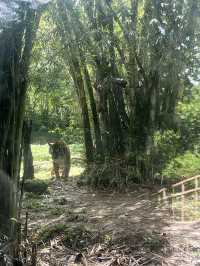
(72, 134)
(186, 143)
(51, 99)
(187, 165)
(166, 147)
(155, 241)
(112, 174)
(36, 186)
(57, 211)
(152, 51)
(40, 152)
(76, 237)
(189, 119)
(34, 204)
(49, 232)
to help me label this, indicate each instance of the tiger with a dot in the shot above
(60, 153)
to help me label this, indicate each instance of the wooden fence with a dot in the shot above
(163, 194)
(167, 195)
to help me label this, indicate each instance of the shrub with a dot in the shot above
(114, 173)
(73, 236)
(36, 186)
(166, 147)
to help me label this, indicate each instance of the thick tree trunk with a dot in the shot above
(10, 98)
(101, 87)
(27, 153)
(15, 47)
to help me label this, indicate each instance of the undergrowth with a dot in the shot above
(76, 237)
(80, 237)
(120, 173)
(36, 186)
(187, 164)
(114, 174)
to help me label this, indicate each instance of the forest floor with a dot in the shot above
(108, 228)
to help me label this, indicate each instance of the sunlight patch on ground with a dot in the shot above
(43, 163)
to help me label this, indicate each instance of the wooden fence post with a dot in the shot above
(172, 196)
(196, 187)
(182, 201)
(164, 193)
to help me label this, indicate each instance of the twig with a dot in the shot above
(25, 237)
(34, 255)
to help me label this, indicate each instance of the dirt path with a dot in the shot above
(131, 219)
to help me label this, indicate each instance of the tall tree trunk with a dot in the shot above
(101, 87)
(15, 48)
(72, 57)
(79, 83)
(97, 131)
(27, 153)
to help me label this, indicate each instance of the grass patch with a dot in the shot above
(43, 163)
(34, 204)
(41, 152)
(77, 149)
(75, 237)
(57, 211)
(155, 242)
(49, 232)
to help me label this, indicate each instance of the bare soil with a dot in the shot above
(133, 228)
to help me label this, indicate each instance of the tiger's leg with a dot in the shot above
(56, 170)
(68, 165)
(66, 171)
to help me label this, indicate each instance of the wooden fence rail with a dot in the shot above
(163, 194)
(168, 195)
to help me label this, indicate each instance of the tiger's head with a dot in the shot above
(56, 149)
